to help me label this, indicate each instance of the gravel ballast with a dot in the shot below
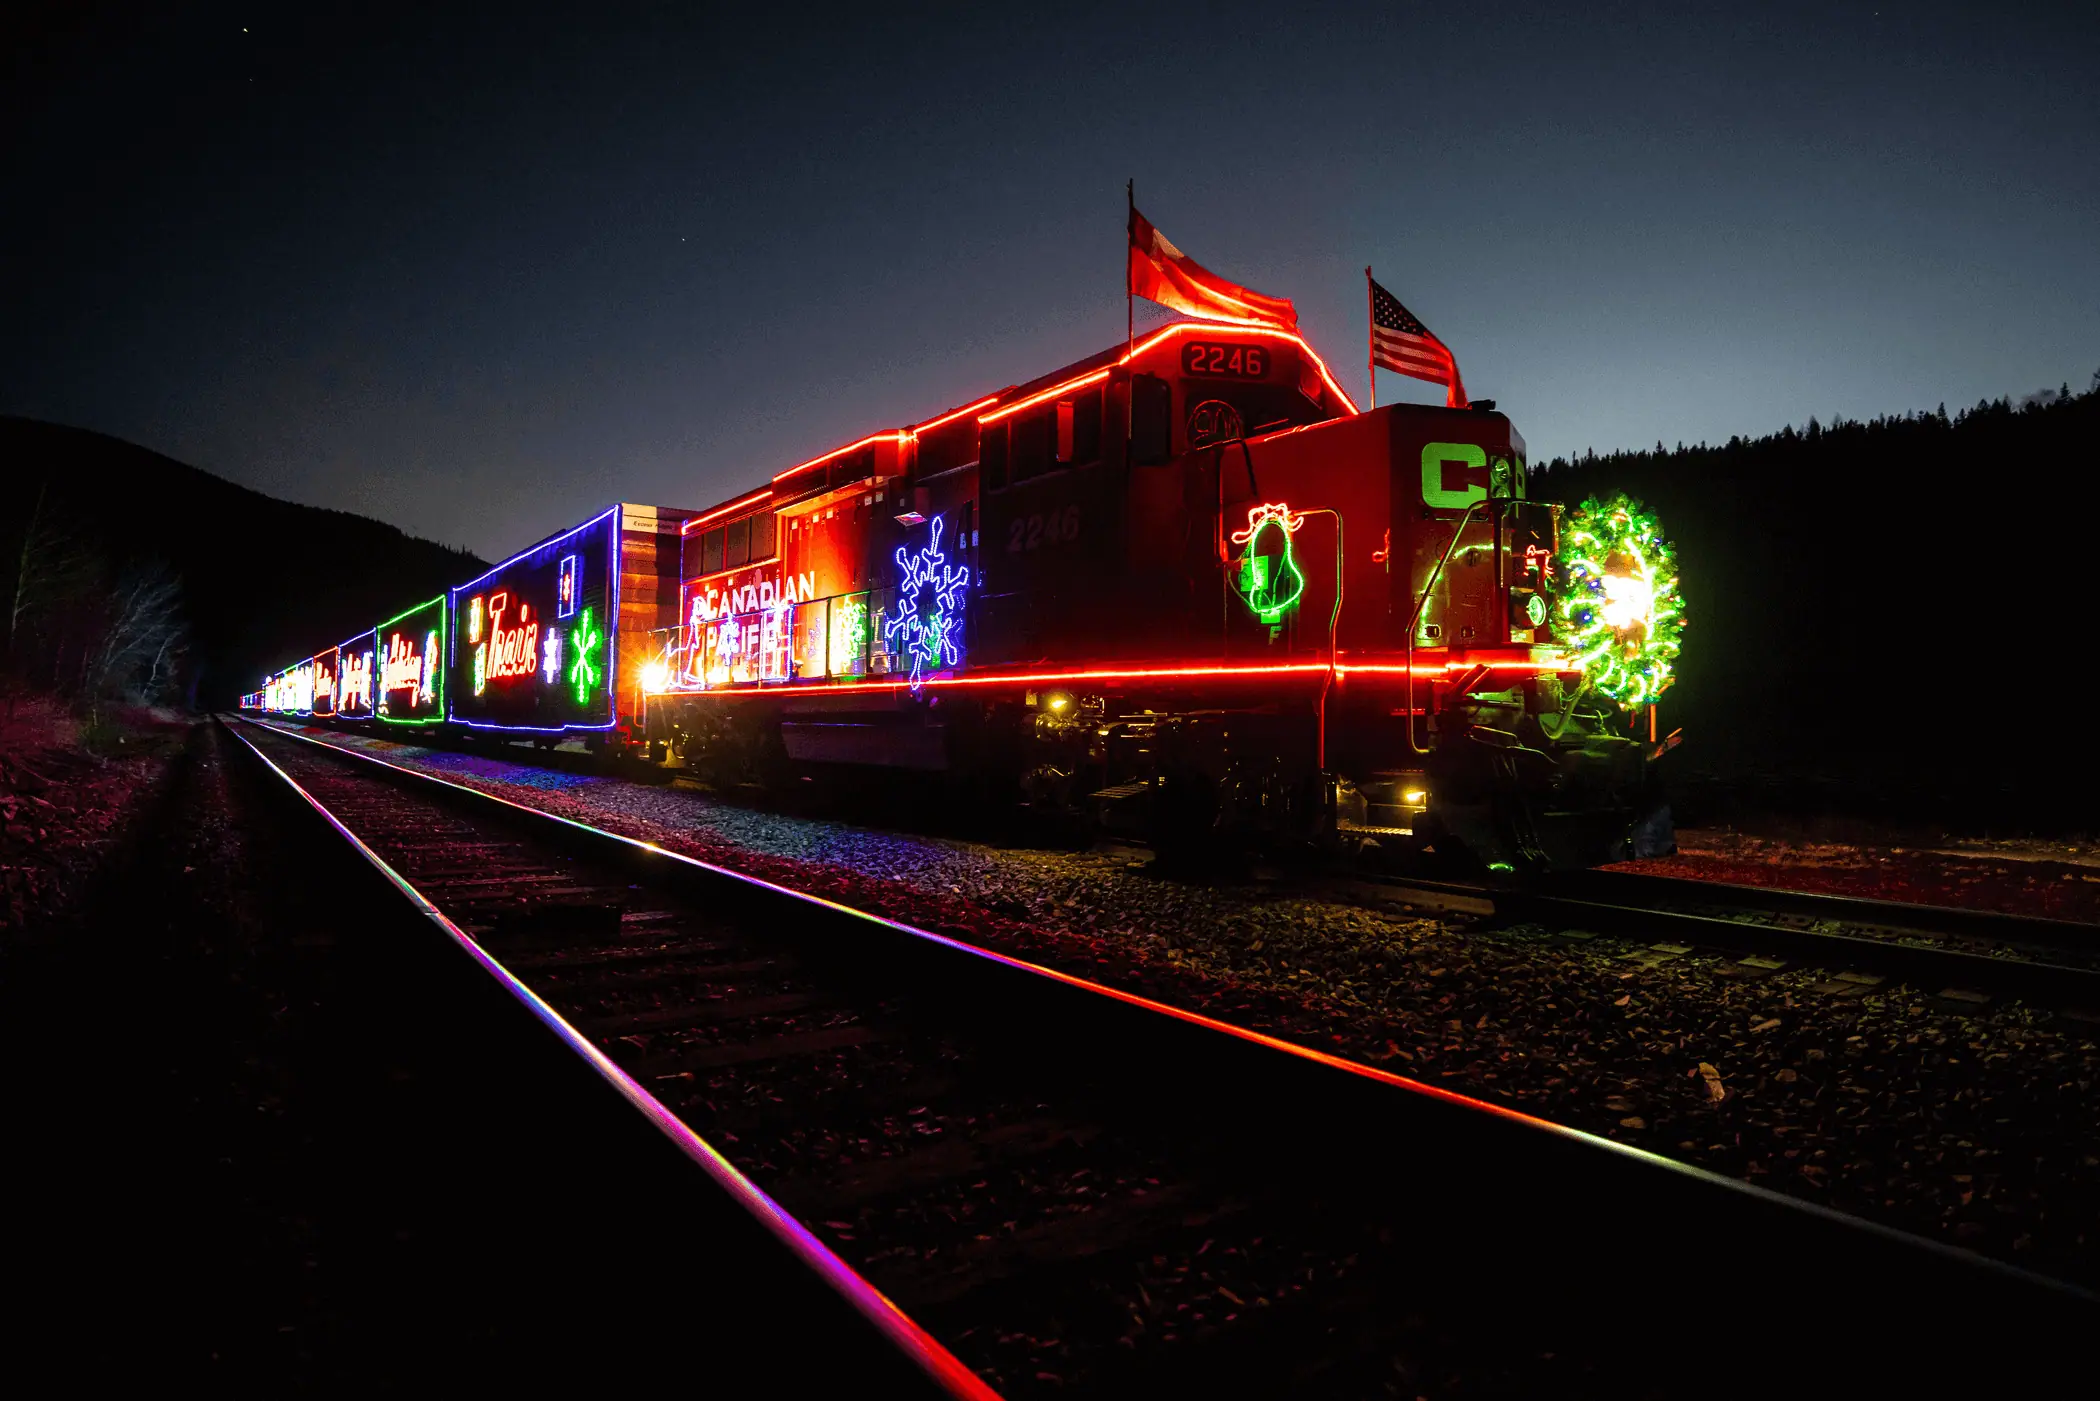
(1965, 1122)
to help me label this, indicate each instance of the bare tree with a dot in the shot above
(78, 627)
(140, 636)
(50, 568)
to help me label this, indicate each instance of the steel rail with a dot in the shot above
(940, 1365)
(1518, 1199)
(531, 815)
(1624, 1151)
(1951, 920)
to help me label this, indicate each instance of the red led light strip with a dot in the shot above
(899, 435)
(895, 435)
(927, 427)
(1032, 400)
(696, 522)
(1175, 673)
(1178, 328)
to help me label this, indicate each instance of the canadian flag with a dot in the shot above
(1160, 272)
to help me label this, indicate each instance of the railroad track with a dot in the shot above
(1958, 954)
(1037, 1183)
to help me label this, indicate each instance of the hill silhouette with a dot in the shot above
(1888, 614)
(262, 579)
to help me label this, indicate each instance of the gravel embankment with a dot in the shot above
(1969, 1124)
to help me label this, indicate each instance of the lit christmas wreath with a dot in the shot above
(1620, 612)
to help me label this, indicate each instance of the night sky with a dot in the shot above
(479, 276)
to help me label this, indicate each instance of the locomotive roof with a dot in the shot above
(1014, 394)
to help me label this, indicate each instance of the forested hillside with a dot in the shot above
(126, 571)
(1903, 607)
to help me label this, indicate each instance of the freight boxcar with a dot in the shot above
(324, 679)
(354, 678)
(410, 647)
(554, 641)
(299, 699)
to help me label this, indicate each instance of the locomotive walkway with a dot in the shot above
(1024, 1180)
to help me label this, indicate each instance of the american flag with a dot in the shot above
(1400, 342)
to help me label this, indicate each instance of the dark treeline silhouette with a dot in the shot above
(1893, 615)
(130, 574)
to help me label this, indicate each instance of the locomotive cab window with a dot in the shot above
(737, 551)
(1260, 408)
(1031, 440)
(711, 552)
(948, 447)
(1151, 419)
(991, 456)
(1077, 429)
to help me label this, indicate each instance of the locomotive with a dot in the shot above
(1183, 589)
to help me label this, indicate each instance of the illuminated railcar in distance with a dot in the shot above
(300, 697)
(409, 651)
(354, 678)
(322, 705)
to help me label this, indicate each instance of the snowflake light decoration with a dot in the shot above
(928, 633)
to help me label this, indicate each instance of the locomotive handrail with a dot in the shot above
(1422, 601)
(1334, 621)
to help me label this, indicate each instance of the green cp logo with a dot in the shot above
(1455, 475)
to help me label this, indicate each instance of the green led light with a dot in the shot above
(849, 632)
(1619, 608)
(415, 679)
(583, 671)
(1271, 583)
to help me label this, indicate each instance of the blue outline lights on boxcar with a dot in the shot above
(551, 697)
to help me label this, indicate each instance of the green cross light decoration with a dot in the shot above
(583, 671)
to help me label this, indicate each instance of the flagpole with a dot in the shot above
(1371, 335)
(1129, 323)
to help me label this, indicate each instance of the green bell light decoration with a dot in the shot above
(1270, 579)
